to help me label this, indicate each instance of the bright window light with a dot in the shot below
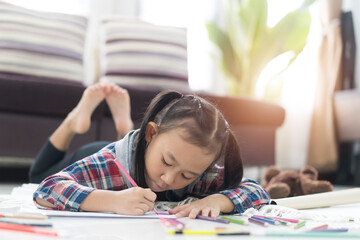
(79, 7)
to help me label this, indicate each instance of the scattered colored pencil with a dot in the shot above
(26, 223)
(270, 221)
(287, 219)
(165, 222)
(280, 221)
(325, 235)
(169, 222)
(176, 223)
(320, 227)
(28, 229)
(300, 224)
(256, 221)
(219, 220)
(208, 232)
(235, 221)
(331, 230)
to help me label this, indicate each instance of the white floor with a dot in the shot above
(5, 188)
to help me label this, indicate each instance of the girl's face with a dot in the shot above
(172, 163)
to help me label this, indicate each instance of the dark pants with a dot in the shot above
(50, 160)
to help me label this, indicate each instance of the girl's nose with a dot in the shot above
(168, 178)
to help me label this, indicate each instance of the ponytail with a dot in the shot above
(233, 163)
(155, 106)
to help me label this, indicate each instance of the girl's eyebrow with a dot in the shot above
(177, 162)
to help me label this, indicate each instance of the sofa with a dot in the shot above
(42, 79)
(30, 111)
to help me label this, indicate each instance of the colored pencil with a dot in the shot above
(208, 232)
(128, 177)
(235, 221)
(167, 222)
(123, 171)
(331, 230)
(256, 221)
(300, 224)
(24, 223)
(320, 227)
(312, 235)
(212, 219)
(28, 229)
(287, 219)
(155, 211)
(278, 220)
(270, 221)
(25, 216)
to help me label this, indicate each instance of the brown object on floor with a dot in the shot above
(289, 183)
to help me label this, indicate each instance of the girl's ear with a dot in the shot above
(151, 130)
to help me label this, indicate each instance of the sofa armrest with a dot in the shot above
(246, 111)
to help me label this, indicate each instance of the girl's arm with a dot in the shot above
(248, 194)
(85, 186)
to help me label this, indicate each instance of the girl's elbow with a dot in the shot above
(44, 203)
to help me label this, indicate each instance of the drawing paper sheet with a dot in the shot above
(57, 213)
(320, 200)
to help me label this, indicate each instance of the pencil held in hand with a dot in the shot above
(123, 171)
(128, 177)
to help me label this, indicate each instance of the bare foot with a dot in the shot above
(79, 119)
(119, 103)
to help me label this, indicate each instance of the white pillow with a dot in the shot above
(41, 45)
(134, 52)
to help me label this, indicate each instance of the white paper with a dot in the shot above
(58, 213)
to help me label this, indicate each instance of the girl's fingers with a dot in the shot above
(149, 205)
(194, 212)
(139, 211)
(149, 195)
(183, 213)
(214, 213)
(205, 212)
(177, 209)
(144, 207)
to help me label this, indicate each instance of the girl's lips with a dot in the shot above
(159, 187)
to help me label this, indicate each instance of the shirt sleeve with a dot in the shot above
(249, 194)
(67, 189)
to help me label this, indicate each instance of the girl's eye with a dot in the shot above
(165, 163)
(185, 177)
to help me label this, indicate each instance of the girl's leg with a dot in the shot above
(119, 103)
(77, 122)
(79, 119)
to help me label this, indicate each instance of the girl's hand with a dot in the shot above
(134, 201)
(210, 206)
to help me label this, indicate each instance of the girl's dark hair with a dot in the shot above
(205, 126)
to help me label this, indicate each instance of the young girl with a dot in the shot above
(183, 148)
